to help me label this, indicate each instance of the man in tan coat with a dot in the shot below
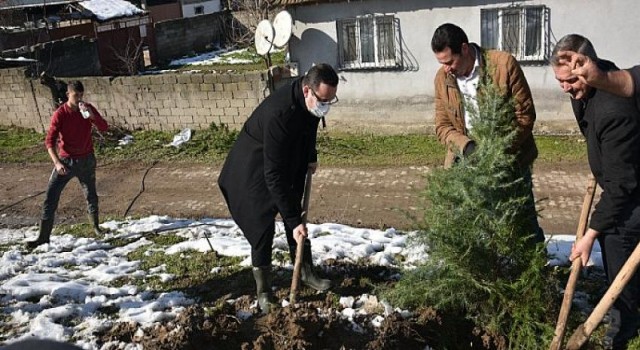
(456, 85)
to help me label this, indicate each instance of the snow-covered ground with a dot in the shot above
(70, 277)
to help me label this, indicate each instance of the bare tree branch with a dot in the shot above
(246, 16)
(129, 56)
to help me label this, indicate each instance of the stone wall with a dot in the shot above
(165, 102)
(178, 37)
(20, 104)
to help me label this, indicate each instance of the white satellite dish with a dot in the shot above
(264, 37)
(282, 24)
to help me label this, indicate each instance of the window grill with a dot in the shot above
(523, 31)
(368, 42)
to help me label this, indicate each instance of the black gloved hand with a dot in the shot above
(469, 148)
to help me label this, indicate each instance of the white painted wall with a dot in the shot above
(189, 10)
(405, 97)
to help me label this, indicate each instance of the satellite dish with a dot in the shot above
(264, 37)
(282, 24)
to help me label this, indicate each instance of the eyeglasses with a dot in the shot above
(324, 101)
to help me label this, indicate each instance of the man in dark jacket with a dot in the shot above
(265, 170)
(611, 125)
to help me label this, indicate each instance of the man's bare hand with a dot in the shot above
(300, 233)
(582, 248)
(582, 66)
(60, 168)
(619, 82)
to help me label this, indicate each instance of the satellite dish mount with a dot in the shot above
(264, 39)
(269, 36)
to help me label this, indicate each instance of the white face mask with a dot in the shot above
(321, 109)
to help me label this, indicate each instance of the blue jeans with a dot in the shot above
(82, 168)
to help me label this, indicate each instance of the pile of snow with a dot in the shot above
(70, 277)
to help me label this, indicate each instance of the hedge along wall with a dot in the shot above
(165, 102)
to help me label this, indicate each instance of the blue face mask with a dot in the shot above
(321, 109)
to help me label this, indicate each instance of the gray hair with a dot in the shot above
(576, 43)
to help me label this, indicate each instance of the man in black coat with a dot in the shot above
(611, 125)
(265, 170)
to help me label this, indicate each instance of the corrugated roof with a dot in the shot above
(18, 4)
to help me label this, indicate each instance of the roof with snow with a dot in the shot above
(111, 9)
(104, 10)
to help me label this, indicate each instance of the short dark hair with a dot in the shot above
(448, 35)
(576, 43)
(75, 85)
(321, 73)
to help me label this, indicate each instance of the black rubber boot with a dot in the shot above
(266, 301)
(43, 236)
(94, 219)
(308, 275)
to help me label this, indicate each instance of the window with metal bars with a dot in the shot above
(368, 42)
(523, 31)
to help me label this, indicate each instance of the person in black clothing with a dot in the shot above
(265, 170)
(58, 89)
(611, 125)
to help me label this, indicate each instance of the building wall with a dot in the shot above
(12, 39)
(165, 12)
(189, 7)
(178, 37)
(86, 29)
(405, 98)
(152, 102)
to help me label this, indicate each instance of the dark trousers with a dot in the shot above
(261, 252)
(85, 170)
(530, 207)
(625, 319)
(616, 249)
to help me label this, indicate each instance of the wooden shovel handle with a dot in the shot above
(295, 281)
(582, 334)
(556, 343)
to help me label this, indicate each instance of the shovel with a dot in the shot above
(295, 281)
(556, 343)
(582, 333)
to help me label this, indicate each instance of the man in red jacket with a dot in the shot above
(70, 147)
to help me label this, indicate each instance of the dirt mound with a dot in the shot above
(318, 321)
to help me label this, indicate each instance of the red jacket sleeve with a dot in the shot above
(99, 122)
(51, 139)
